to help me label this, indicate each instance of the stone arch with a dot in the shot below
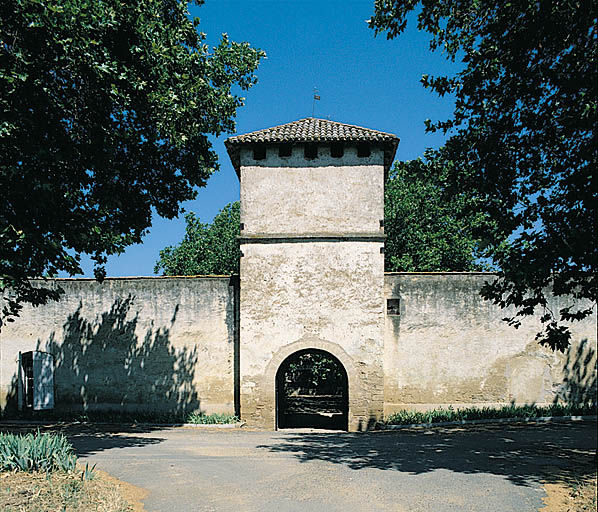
(302, 401)
(308, 343)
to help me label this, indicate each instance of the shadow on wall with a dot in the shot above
(106, 364)
(579, 384)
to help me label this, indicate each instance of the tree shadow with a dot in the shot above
(88, 439)
(114, 369)
(580, 375)
(107, 364)
(524, 454)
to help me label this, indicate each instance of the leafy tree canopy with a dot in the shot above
(106, 110)
(206, 248)
(426, 229)
(523, 133)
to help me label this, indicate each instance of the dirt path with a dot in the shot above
(132, 494)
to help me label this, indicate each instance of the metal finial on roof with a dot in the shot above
(316, 98)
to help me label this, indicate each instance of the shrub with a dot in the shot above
(36, 452)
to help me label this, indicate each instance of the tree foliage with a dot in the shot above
(426, 229)
(206, 248)
(106, 110)
(313, 371)
(523, 133)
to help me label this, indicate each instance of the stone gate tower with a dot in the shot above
(312, 265)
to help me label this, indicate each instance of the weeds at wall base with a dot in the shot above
(449, 414)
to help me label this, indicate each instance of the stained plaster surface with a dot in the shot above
(296, 196)
(449, 346)
(308, 294)
(155, 344)
(312, 293)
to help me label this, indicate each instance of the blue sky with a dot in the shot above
(363, 80)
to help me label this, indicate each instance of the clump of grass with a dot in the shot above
(36, 452)
(40, 472)
(112, 416)
(441, 415)
(88, 473)
(211, 419)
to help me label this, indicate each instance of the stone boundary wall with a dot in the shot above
(448, 346)
(151, 344)
(171, 345)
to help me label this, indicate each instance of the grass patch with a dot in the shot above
(441, 415)
(572, 489)
(583, 494)
(211, 419)
(39, 472)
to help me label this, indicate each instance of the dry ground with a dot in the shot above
(576, 493)
(58, 491)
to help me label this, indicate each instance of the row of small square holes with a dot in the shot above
(310, 151)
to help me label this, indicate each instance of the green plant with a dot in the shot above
(115, 416)
(521, 142)
(206, 248)
(70, 492)
(36, 452)
(211, 419)
(428, 227)
(474, 413)
(88, 473)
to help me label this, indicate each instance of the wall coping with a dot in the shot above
(442, 273)
(130, 278)
(228, 276)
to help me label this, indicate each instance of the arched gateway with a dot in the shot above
(312, 265)
(312, 390)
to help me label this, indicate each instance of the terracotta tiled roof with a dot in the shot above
(312, 130)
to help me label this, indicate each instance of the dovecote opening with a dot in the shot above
(259, 152)
(337, 149)
(285, 150)
(364, 150)
(393, 307)
(310, 151)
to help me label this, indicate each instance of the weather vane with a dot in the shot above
(316, 98)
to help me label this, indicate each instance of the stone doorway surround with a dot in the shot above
(335, 350)
(309, 400)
